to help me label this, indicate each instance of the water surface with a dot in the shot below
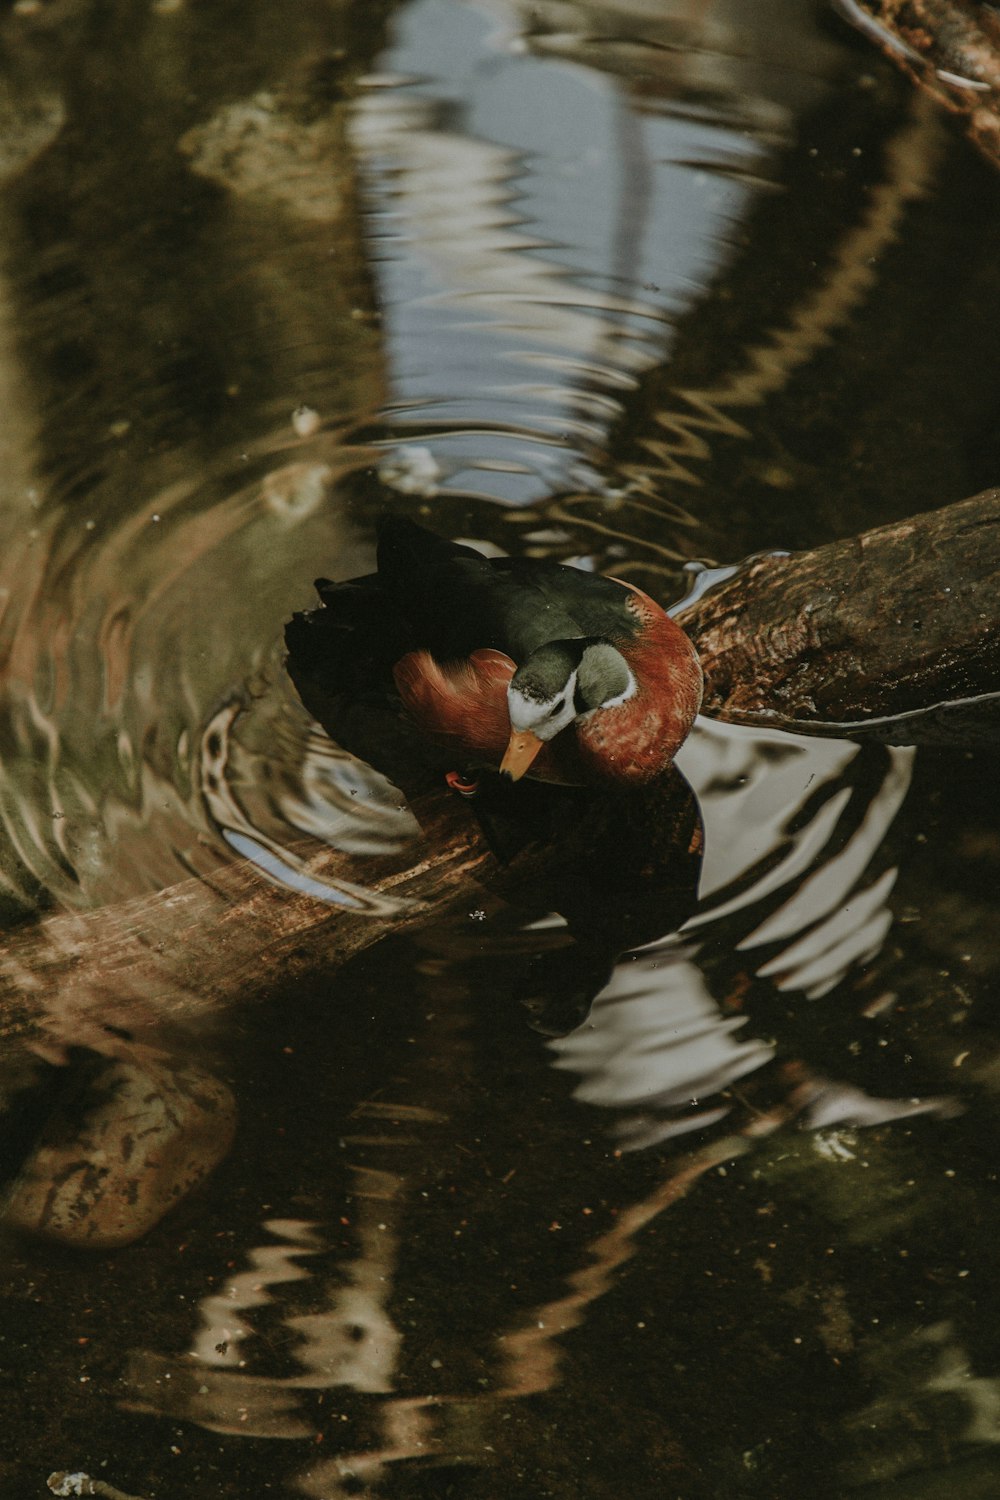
(635, 287)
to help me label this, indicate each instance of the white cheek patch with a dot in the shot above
(530, 715)
(522, 710)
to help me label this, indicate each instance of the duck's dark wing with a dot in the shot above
(457, 601)
(593, 604)
(340, 659)
(353, 640)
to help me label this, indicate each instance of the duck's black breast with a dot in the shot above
(456, 601)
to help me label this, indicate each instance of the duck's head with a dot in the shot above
(559, 683)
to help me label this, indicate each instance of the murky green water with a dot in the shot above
(630, 285)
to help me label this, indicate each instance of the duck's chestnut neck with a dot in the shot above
(636, 739)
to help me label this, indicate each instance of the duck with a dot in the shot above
(523, 666)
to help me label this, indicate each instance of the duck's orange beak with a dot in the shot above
(521, 751)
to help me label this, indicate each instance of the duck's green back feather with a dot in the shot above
(458, 601)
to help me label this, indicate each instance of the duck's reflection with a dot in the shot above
(657, 1044)
(791, 893)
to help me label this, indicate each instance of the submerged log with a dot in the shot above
(893, 622)
(173, 957)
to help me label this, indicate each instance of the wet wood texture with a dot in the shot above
(950, 48)
(889, 622)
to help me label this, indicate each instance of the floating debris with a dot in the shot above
(297, 490)
(411, 471)
(305, 421)
(82, 1484)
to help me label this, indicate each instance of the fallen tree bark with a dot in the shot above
(950, 48)
(896, 622)
(892, 622)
